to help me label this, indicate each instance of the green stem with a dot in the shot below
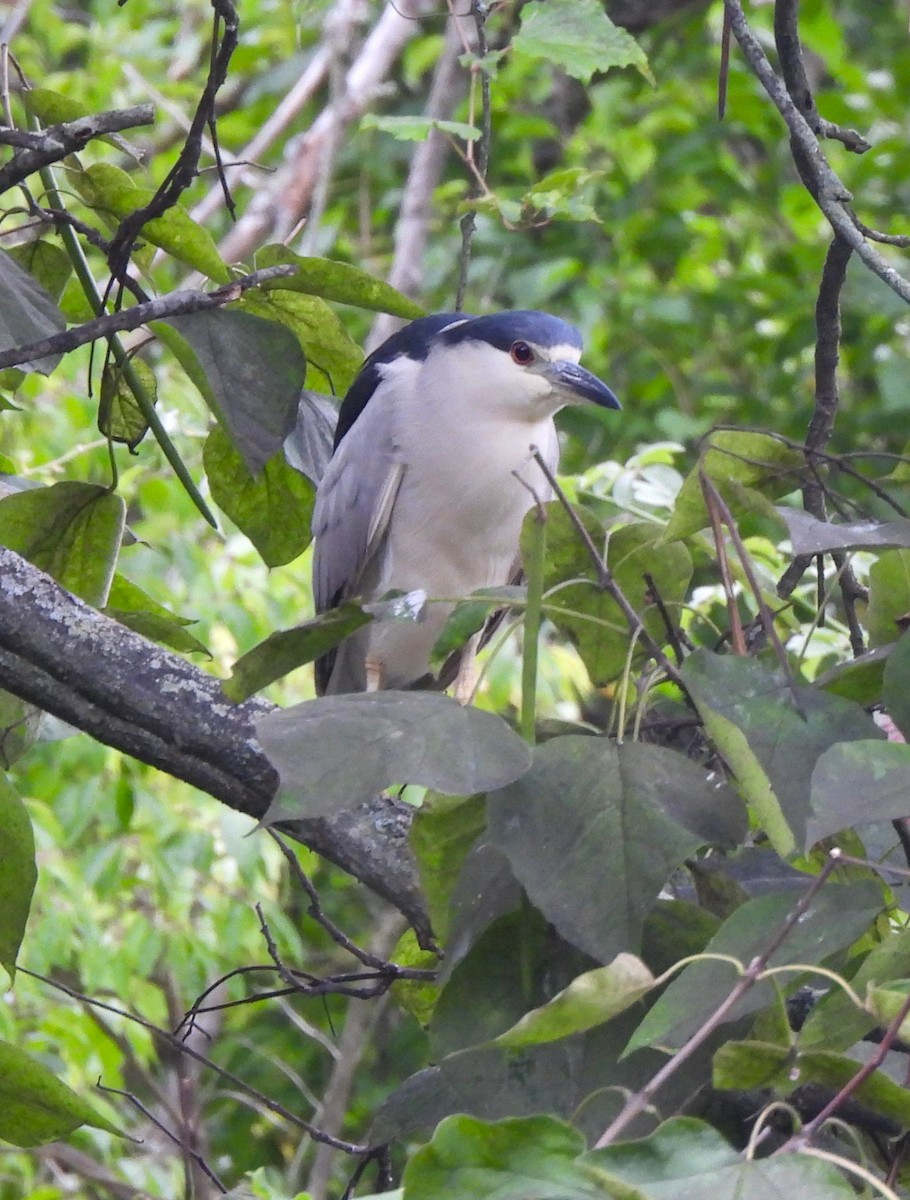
(534, 560)
(121, 358)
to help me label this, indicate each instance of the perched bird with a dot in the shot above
(423, 488)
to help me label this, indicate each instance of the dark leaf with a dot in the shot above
(336, 752)
(771, 735)
(594, 830)
(252, 371)
(308, 447)
(27, 314)
(288, 649)
(854, 783)
(119, 416)
(835, 918)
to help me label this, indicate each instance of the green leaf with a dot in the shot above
(896, 689)
(134, 608)
(111, 191)
(35, 1106)
(47, 263)
(469, 617)
(53, 108)
(443, 830)
(339, 282)
(685, 1159)
(325, 341)
(18, 874)
(579, 37)
(889, 597)
(273, 508)
(748, 469)
(27, 314)
(418, 129)
(529, 1158)
(593, 619)
(835, 918)
(858, 679)
(249, 371)
(401, 737)
(589, 1000)
(287, 649)
(836, 1022)
(70, 530)
(594, 830)
(771, 736)
(854, 783)
(19, 725)
(119, 416)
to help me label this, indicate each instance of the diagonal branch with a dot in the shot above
(825, 186)
(64, 657)
(177, 304)
(39, 150)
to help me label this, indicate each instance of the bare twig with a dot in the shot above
(55, 142)
(183, 172)
(479, 157)
(181, 1047)
(175, 304)
(606, 581)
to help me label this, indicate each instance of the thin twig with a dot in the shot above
(606, 581)
(737, 636)
(172, 305)
(479, 155)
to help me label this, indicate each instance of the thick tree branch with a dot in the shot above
(66, 658)
(177, 304)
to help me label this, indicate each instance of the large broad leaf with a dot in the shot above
(889, 597)
(837, 915)
(685, 1159)
(113, 192)
(71, 530)
(325, 341)
(35, 1106)
(27, 314)
(17, 874)
(250, 372)
(272, 506)
(584, 610)
(336, 752)
(748, 469)
(287, 649)
(594, 830)
(811, 536)
(854, 783)
(540, 1158)
(339, 282)
(577, 36)
(771, 735)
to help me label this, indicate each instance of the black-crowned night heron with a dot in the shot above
(432, 475)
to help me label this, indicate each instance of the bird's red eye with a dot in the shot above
(522, 353)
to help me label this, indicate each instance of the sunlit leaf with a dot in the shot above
(578, 36)
(37, 1107)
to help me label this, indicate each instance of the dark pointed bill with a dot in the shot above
(570, 377)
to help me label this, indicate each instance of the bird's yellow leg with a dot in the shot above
(374, 674)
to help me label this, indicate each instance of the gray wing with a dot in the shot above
(354, 502)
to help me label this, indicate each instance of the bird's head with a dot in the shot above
(523, 364)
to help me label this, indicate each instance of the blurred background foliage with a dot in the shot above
(689, 256)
